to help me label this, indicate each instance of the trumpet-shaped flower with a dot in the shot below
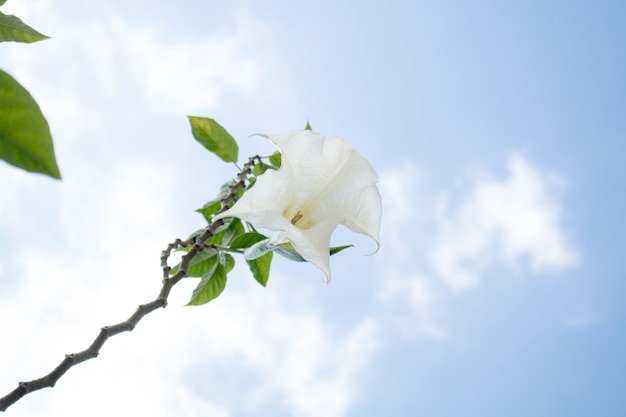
(320, 185)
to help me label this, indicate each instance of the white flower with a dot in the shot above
(320, 185)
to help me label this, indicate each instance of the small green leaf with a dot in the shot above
(235, 229)
(308, 126)
(210, 286)
(288, 251)
(229, 262)
(13, 29)
(276, 159)
(200, 264)
(337, 249)
(245, 240)
(25, 139)
(222, 235)
(260, 268)
(214, 137)
(258, 249)
(259, 168)
(209, 210)
(201, 267)
(194, 234)
(216, 239)
(213, 206)
(251, 227)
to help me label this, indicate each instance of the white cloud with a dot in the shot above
(414, 294)
(433, 247)
(511, 219)
(401, 208)
(195, 73)
(406, 214)
(19, 9)
(105, 263)
(103, 57)
(294, 350)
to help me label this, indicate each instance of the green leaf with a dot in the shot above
(194, 234)
(213, 206)
(2, 2)
(245, 240)
(235, 228)
(276, 159)
(200, 264)
(13, 29)
(199, 268)
(25, 139)
(214, 137)
(229, 262)
(260, 268)
(288, 251)
(210, 286)
(223, 235)
(258, 249)
(337, 249)
(259, 168)
(209, 210)
(308, 126)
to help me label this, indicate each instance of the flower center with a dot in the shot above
(297, 217)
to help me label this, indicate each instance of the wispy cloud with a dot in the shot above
(63, 297)
(193, 73)
(441, 246)
(295, 351)
(406, 227)
(103, 54)
(509, 220)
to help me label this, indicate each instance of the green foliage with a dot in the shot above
(211, 207)
(200, 268)
(211, 285)
(335, 250)
(14, 30)
(276, 159)
(260, 168)
(286, 250)
(214, 137)
(200, 264)
(228, 262)
(246, 240)
(260, 268)
(234, 229)
(25, 139)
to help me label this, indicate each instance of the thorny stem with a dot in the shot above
(197, 244)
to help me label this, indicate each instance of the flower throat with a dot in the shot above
(297, 217)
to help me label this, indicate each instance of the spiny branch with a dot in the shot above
(197, 244)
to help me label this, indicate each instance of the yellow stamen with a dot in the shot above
(297, 217)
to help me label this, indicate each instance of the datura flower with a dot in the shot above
(320, 185)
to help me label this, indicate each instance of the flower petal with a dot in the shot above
(321, 184)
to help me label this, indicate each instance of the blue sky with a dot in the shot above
(496, 128)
